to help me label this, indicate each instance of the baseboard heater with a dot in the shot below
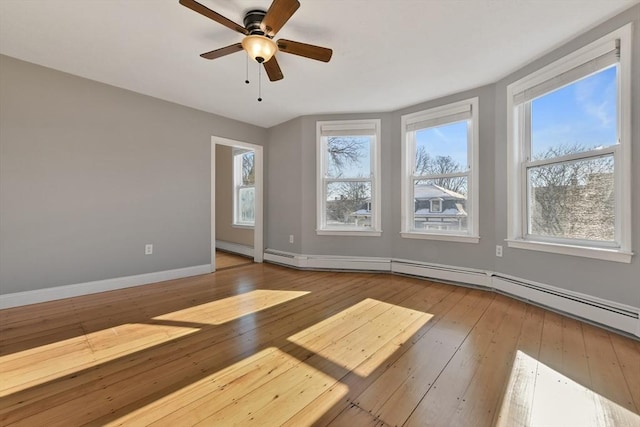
(585, 307)
(327, 262)
(445, 273)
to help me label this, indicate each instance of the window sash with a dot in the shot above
(523, 114)
(445, 115)
(367, 128)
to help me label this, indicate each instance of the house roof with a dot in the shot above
(432, 191)
(387, 54)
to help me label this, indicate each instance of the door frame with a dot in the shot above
(258, 233)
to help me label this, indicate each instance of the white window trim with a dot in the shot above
(237, 177)
(472, 234)
(349, 127)
(516, 225)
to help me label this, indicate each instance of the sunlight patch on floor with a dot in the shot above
(369, 331)
(270, 385)
(538, 395)
(29, 369)
(224, 310)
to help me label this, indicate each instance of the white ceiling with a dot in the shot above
(388, 54)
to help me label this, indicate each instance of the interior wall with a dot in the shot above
(284, 191)
(605, 279)
(312, 243)
(471, 255)
(225, 231)
(293, 144)
(90, 173)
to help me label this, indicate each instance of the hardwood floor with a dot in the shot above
(264, 345)
(228, 260)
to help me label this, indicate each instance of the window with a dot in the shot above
(569, 180)
(244, 191)
(440, 173)
(348, 154)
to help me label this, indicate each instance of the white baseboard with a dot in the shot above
(67, 291)
(328, 262)
(236, 248)
(604, 312)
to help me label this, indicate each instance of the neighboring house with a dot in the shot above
(437, 208)
(362, 216)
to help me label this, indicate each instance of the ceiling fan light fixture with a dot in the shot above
(259, 48)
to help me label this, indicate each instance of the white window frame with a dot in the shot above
(441, 115)
(550, 77)
(237, 186)
(367, 127)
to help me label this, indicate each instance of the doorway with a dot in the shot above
(256, 193)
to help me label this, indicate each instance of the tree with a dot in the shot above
(573, 198)
(346, 198)
(440, 165)
(248, 169)
(344, 152)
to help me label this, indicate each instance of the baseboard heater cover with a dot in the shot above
(442, 272)
(327, 262)
(591, 309)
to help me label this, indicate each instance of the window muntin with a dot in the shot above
(440, 168)
(244, 188)
(569, 141)
(348, 185)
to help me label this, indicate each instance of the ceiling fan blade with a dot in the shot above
(273, 69)
(307, 50)
(203, 10)
(278, 14)
(223, 51)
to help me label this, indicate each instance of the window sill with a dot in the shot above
(444, 237)
(246, 227)
(580, 251)
(363, 233)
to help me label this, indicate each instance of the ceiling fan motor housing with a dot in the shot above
(252, 21)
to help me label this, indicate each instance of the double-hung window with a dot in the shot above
(440, 173)
(569, 153)
(244, 191)
(348, 183)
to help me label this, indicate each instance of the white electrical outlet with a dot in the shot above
(148, 249)
(498, 250)
(290, 238)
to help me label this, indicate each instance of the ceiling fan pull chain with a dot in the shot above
(246, 80)
(259, 82)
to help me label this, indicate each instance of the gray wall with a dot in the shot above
(225, 231)
(292, 176)
(90, 173)
(610, 280)
(284, 191)
(473, 255)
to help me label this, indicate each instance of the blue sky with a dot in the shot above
(445, 140)
(584, 112)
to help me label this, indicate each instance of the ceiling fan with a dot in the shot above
(259, 29)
